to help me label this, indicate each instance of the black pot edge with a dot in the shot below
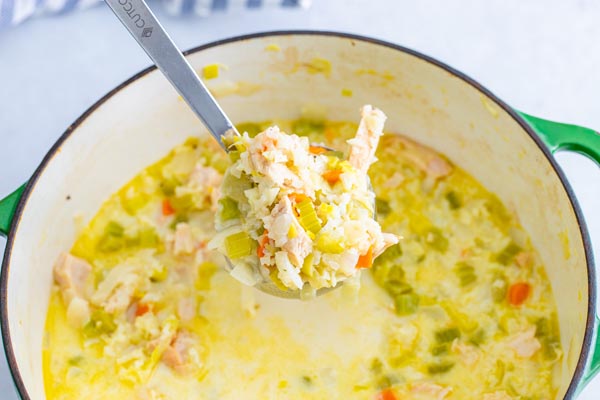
(4, 273)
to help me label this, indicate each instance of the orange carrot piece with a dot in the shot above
(167, 208)
(386, 394)
(518, 293)
(365, 260)
(260, 252)
(317, 150)
(298, 197)
(332, 177)
(142, 308)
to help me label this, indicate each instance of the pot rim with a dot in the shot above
(4, 273)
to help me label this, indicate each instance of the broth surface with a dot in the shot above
(460, 309)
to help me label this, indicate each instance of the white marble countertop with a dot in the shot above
(541, 56)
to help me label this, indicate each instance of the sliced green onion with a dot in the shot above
(406, 303)
(229, 209)
(447, 335)
(238, 245)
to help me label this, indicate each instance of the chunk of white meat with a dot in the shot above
(78, 312)
(425, 159)
(177, 354)
(525, 343)
(72, 276)
(269, 154)
(115, 292)
(208, 180)
(186, 308)
(469, 355)
(500, 395)
(429, 391)
(183, 240)
(279, 223)
(289, 275)
(364, 144)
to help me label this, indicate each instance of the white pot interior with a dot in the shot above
(143, 121)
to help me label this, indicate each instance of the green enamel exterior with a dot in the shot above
(558, 136)
(8, 206)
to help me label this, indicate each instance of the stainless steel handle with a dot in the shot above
(145, 28)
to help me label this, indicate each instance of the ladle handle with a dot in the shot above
(150, 35)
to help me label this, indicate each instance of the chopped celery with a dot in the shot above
(447, 335)
(178, 219)
(376, 366)
(406, 303)
(220, 164)
(229, 209)
(336, 153)
(507, 254)
(477, 338)
(252, 128)
(275, 278)
(110, 243)
(234, 155)
(328, 244)
(307, 216)
(440, 368)
(159, 274)
(396, 288)
(235, 187)
(114, 229)
(148, 237)
(499, 288)
(440, 349)
(307, 265)
(304, 127)
(453, 200)
(239, 245)
(391, 253)
(436, 240)
(465, 273)
(382, 207)
(168, 186)
(205, 272)
(100, 323)
(182, 204)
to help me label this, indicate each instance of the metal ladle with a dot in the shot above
(141, 23)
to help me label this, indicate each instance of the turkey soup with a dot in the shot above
(459, 309)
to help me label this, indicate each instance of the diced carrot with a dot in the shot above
(365, 260)
(298, 197)
(333, 176)
(167, 208)
(518, 293)
(386, 394)
(317, 150)
(261, 245)
(142, 308)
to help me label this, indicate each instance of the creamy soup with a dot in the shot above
(460, 309)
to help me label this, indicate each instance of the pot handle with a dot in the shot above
(8, 206)
(558, 136)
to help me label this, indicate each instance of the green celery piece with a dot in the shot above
(178, 218)
(327, 244)
(440, 368)
(307, 216)
(238, 245)
(148, 237)
(382, 206)
(229, 209)
(396, 288)
(110, 243)
(114, 229)
(507, 254)
(447, 335)
(440, 349)
(100, 323)
(304, 127)
(465, 273)
(436, 240)
(168, 186)
(453, 200)
(252, 128)
(499, 291)
(406, 304)
(478, 338)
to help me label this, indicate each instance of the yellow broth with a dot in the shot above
(443, 315)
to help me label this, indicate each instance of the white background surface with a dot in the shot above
(541, 56)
